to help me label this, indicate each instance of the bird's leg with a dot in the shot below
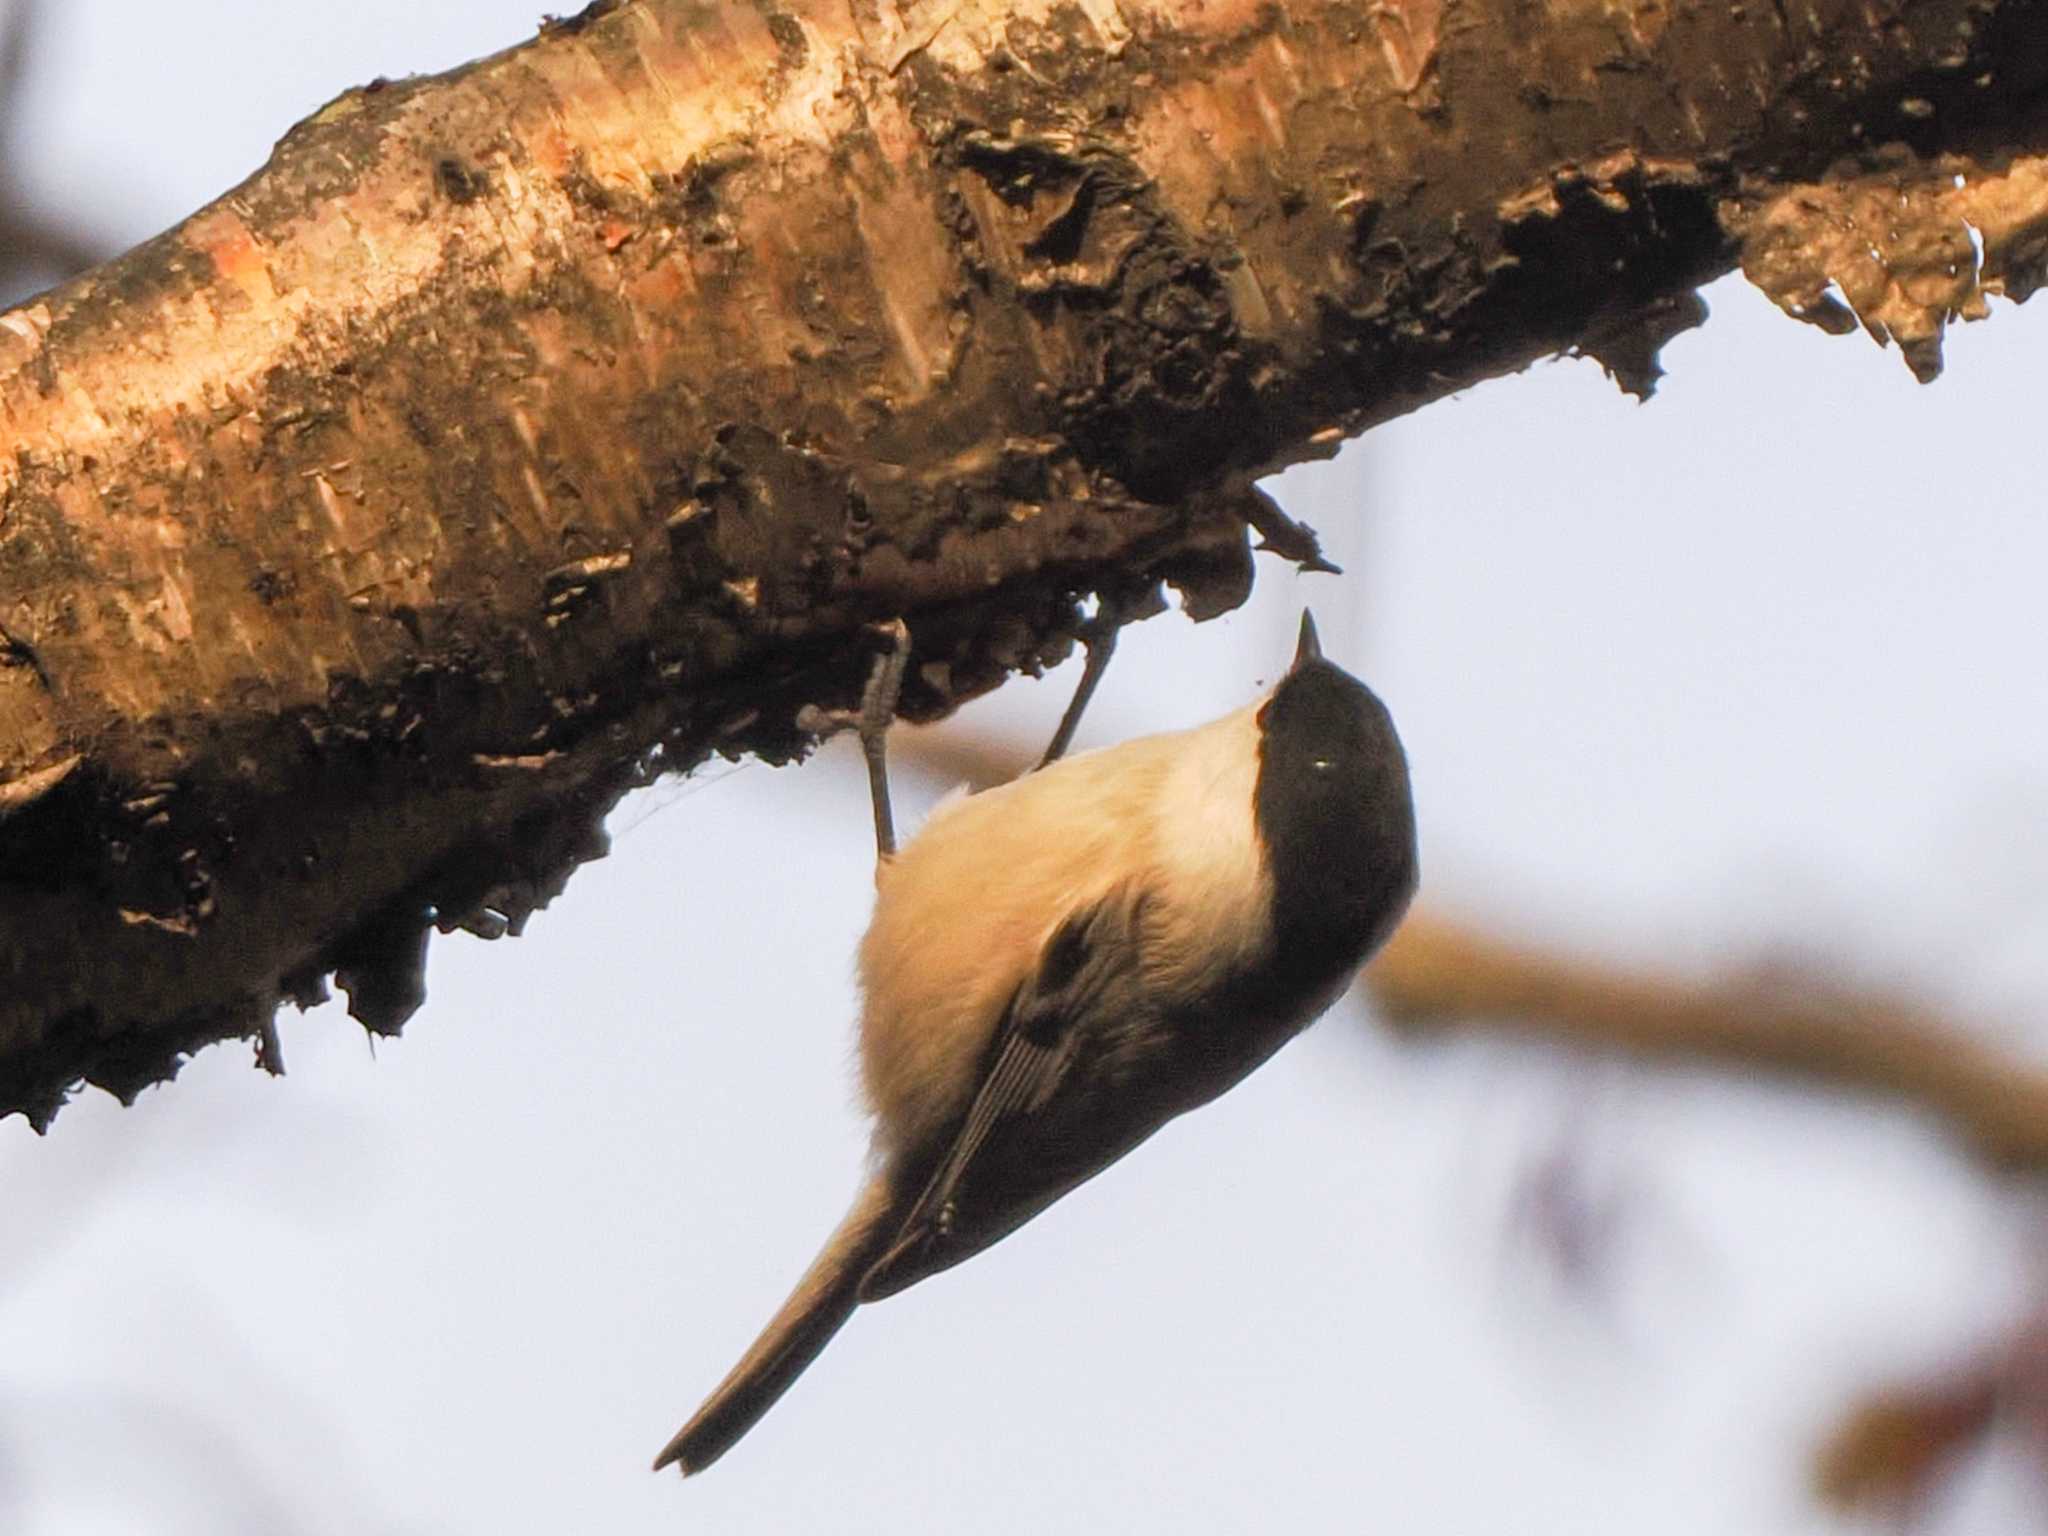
(1098, 636)
(877, 710)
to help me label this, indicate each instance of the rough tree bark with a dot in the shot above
(519, 433)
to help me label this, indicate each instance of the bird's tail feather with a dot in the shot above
(816, 1310)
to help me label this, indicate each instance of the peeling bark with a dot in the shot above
(1902, 250)
(520, 433)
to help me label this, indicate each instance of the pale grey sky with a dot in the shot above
(1753, 669)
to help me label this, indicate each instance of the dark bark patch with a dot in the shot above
(789, 38)
(18, 655)
(383, 968)
(273, 586)
(55, 842)
(459, 182)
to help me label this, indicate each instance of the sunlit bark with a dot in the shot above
(517, 432)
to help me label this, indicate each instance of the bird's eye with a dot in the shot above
(1322, 764)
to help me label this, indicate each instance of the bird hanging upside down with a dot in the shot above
(1058, 966)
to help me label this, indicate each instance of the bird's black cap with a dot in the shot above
(1333, 810)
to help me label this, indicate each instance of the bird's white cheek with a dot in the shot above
(1216, 895)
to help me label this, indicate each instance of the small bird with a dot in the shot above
(1058, 966)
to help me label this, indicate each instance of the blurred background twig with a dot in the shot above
(37, 247)
(1437, 973)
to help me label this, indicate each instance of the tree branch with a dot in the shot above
(519, 432)
(1437, 974)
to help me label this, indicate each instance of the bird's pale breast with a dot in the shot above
(967, 906)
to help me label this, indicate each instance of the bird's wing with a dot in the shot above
(1084, 977)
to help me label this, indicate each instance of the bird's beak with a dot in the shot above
(1310, 648)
